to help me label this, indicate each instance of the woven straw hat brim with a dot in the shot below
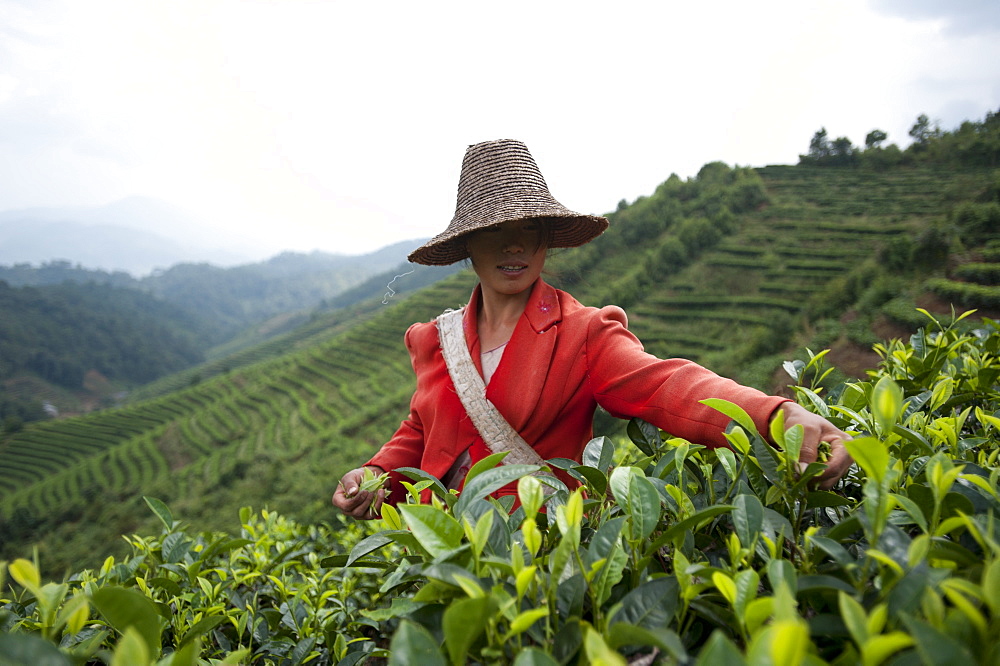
(568, 229)
(500, 182)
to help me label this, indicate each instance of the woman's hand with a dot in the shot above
(355, 502)
(817, 429)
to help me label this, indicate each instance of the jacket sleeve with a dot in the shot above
(629, 382)
(406, 447)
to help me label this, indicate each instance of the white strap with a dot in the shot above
(492, 426)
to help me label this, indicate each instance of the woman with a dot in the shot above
(546, 361)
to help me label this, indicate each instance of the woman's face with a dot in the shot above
(509, 257)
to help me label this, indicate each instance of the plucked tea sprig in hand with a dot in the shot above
(370, 482)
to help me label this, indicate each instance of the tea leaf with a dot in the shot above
(794, 369)
(651, 605)
(524, 578)
(644, 435)
(598, 652)
(18, 648)
(161, 510)
(737, 438)
(767, 458)
(854, 617)
(720, 651)
(728, 461)
(793, 444)
(524, 620)
(595, 477)
(235, 657)
(942, 393)
(435, 530)
(871, 454)
(911, 509)
(600, 453)
(726, 586)
(391, 516)
(886, 404)
(748, 518)
(529, 491)
(412, 645)
(733, 411)
(610, 574)
(879, 648)
(124, 608)
(131, 650)
(643, 506)
(479, 534)
(186, 656)
(746, 590)
(991, 586)
(489, 462)
(782, 572)
(463, 623)
(25, 573)
(74, 614)
(787, 642)
(420, 475)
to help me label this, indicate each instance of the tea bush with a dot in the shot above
(966, 293)
(261, 597)
(982, 273)
(667, 551)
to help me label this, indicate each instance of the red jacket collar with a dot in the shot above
(542, 311)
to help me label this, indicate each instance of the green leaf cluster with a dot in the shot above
(665, 550)
(730, 555)
(183, 599)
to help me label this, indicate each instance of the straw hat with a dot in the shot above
(500, 182)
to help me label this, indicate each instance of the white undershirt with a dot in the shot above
(491, 359)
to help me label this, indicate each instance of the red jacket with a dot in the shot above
(562, 360)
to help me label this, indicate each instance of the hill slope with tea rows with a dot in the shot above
(731, 268)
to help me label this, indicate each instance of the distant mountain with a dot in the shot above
(228, 299)
(63, 323)
(137, 235)
(236, 297)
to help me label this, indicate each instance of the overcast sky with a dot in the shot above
(340, 126)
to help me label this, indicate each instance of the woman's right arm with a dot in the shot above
(404, 449)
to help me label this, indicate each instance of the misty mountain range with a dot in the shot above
(137, 235)
(119, 245)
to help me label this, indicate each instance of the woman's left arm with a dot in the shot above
(628, 382)
(817, 429)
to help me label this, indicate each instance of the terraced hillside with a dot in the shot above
(718, 269)
(747, 290)
(326, 402)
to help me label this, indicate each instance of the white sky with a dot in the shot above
(341, 126)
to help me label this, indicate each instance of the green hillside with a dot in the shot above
(737, 268)
(59, 334)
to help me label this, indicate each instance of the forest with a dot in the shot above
(193, 522)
